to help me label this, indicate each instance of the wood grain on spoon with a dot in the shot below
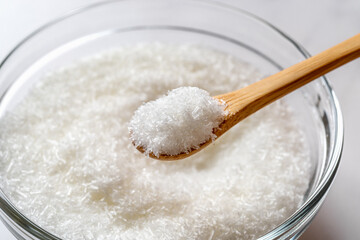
(246, 101)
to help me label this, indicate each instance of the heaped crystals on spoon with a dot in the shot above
(176, 123)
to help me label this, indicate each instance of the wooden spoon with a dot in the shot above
(246, 101)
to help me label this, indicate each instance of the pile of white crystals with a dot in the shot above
(67, 163)
(176, 123)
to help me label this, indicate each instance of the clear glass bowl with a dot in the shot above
(228, 29)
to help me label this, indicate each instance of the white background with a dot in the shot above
(317, 25)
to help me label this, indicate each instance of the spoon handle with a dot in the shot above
(243, 102)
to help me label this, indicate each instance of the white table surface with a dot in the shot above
(317, 25)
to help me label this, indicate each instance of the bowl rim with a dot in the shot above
(28, 228)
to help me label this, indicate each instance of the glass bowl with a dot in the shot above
(109, 24)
